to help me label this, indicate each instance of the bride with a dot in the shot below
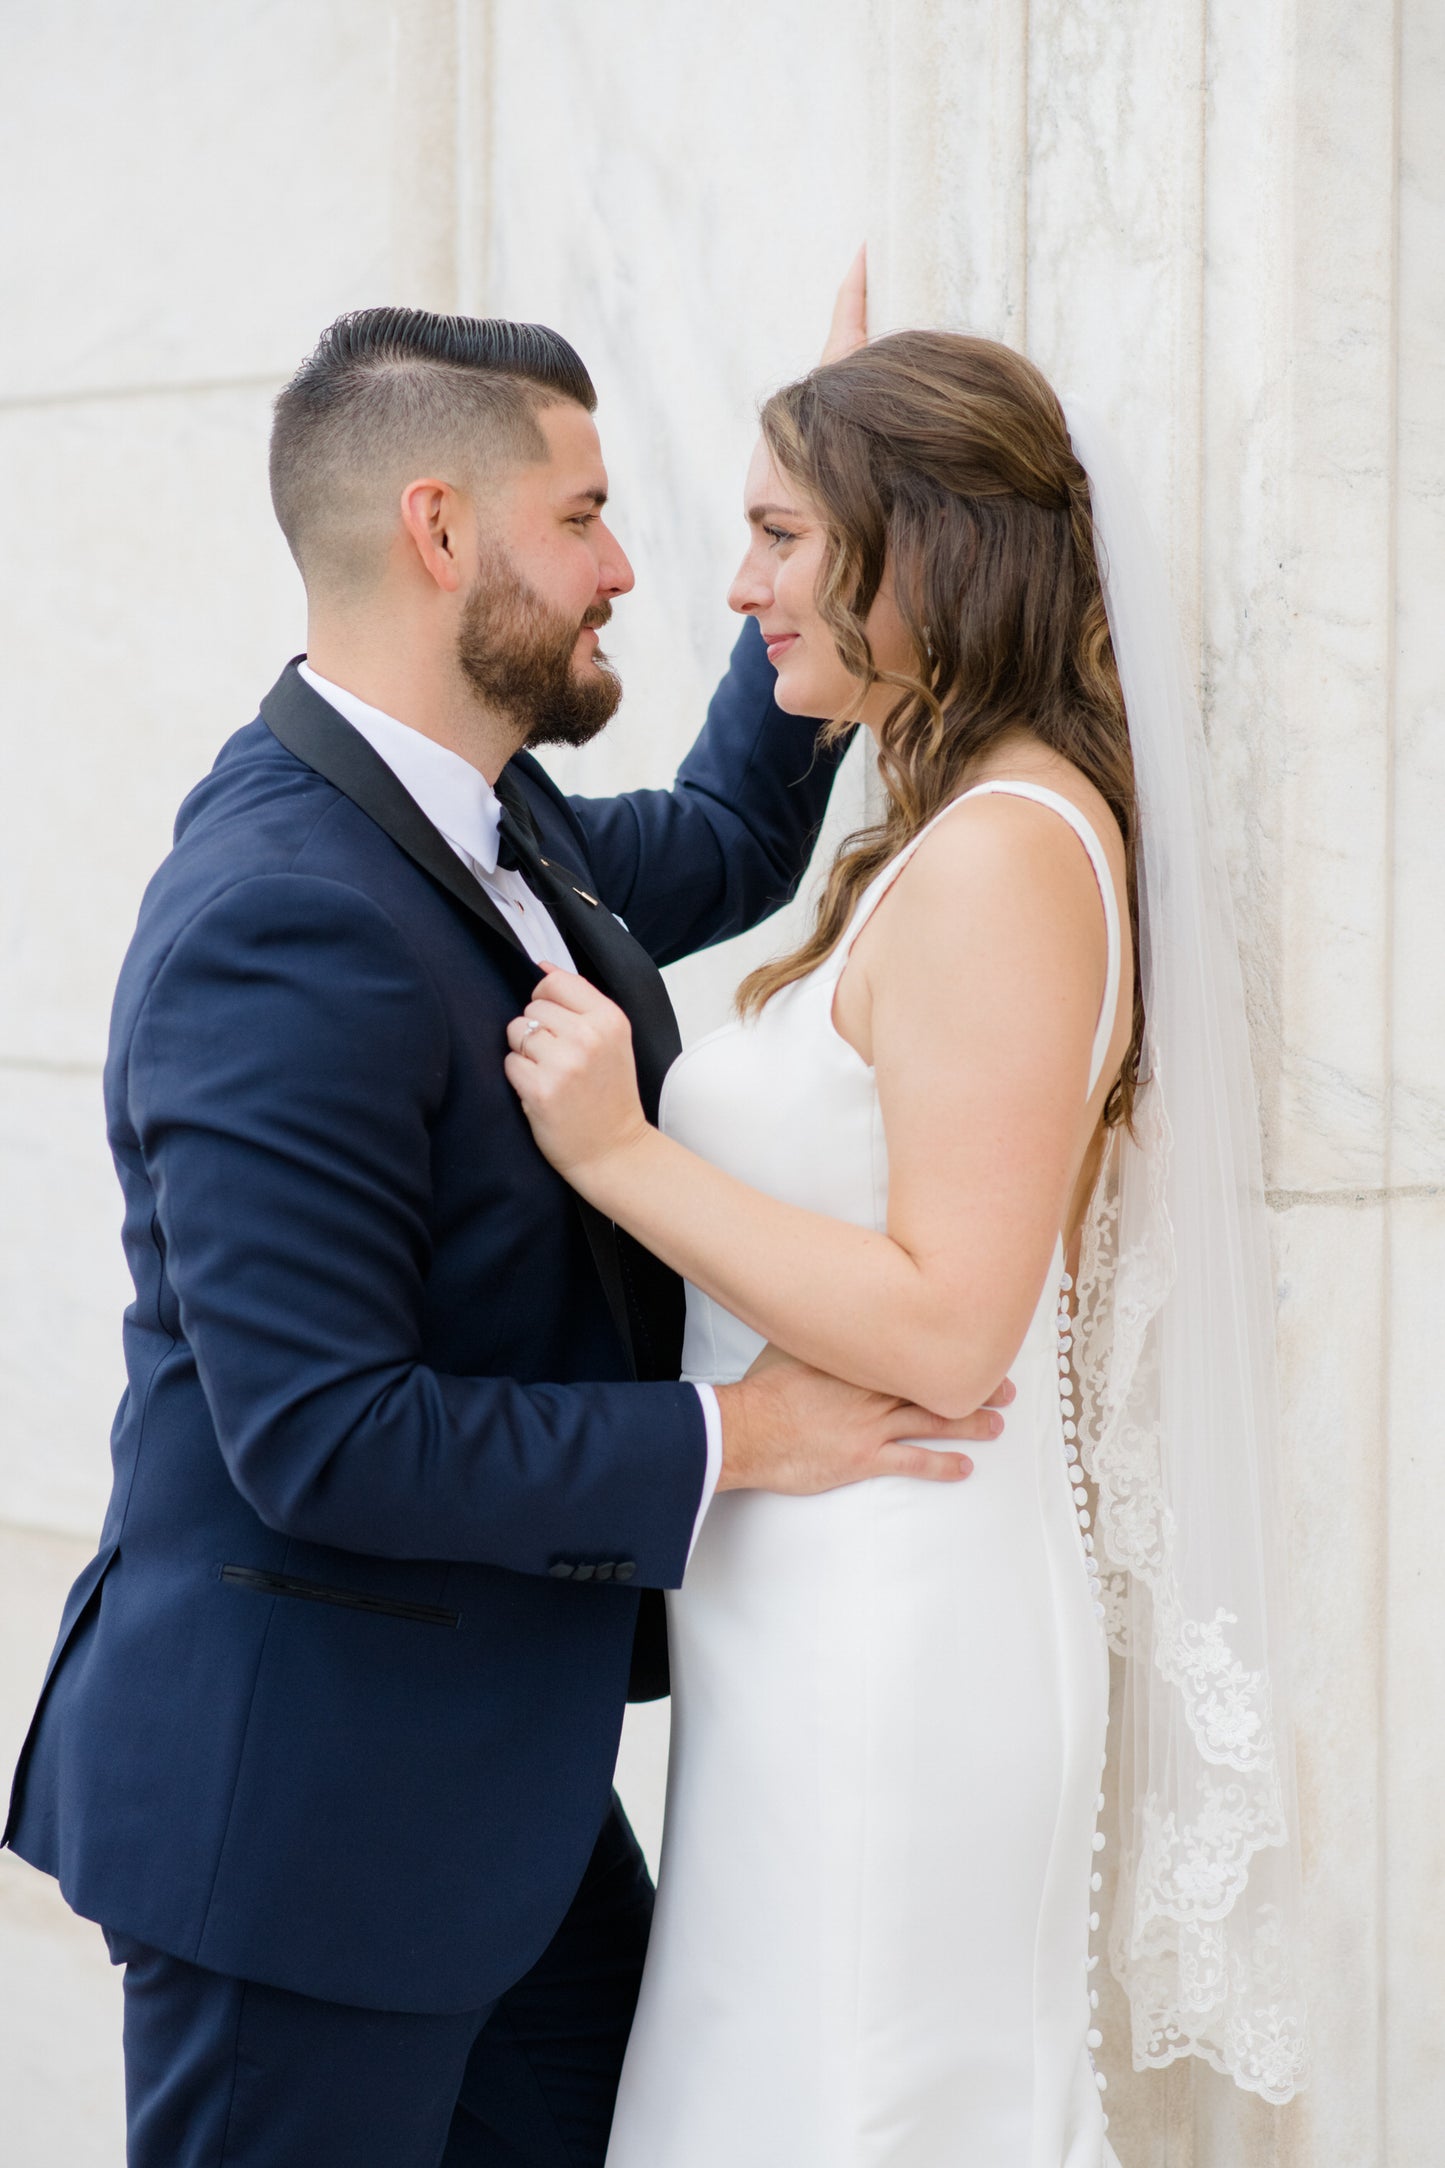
(993, 1115)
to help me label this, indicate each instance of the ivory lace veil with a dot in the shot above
(1175, 1362)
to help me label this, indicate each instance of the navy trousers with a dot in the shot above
(223, 2073)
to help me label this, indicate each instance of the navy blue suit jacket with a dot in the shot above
(336, 1705)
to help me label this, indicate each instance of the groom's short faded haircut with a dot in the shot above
(390, 395)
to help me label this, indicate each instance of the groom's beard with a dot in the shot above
(516, 652)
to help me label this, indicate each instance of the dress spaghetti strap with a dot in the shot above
(883, 880)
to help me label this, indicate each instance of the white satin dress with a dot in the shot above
(872, 1933)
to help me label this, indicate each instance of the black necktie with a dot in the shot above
(602, 948)
(512, 844)
(646, 1300)
(605, 952)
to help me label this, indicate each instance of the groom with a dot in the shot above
(326, 1744)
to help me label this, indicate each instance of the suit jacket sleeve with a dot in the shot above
(283, 1077)
(730, 842)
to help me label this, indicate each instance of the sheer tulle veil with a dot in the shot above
(1175, 1361)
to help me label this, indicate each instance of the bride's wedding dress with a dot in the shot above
(871, 1943)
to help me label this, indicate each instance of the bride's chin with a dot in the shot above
(793, 699)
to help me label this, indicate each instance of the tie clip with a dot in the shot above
(573, 886)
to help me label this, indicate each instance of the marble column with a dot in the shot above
(1412, 1668)
(1224, 225)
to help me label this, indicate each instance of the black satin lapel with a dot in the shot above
(311, 728)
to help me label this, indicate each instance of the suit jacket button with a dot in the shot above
(561, 1571)
(604, 1571)
(624, 1569)
(582, 1573)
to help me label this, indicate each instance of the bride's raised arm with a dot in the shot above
(981, 982)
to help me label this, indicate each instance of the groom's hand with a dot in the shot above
(789, 1428)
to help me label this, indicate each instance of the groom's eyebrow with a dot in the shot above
(596, 495)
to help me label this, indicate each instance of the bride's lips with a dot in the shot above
(778, 643)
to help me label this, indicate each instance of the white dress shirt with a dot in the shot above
(462, 806)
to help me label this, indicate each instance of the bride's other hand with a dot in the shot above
(849, 328)
(571, 1066)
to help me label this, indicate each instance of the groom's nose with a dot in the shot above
(614, 574)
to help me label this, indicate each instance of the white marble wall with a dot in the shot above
(1226, 224)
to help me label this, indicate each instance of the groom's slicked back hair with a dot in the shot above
(390, 395)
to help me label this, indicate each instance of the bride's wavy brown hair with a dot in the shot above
(946, 460)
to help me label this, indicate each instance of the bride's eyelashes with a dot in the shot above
(779, 534)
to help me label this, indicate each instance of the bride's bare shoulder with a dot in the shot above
(998, 895)
(1004, 839)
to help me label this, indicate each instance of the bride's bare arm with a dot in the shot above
(983, 971)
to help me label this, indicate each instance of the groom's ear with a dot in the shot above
(433, 518)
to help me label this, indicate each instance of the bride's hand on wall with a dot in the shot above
(849, 328)
(571, 1066)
